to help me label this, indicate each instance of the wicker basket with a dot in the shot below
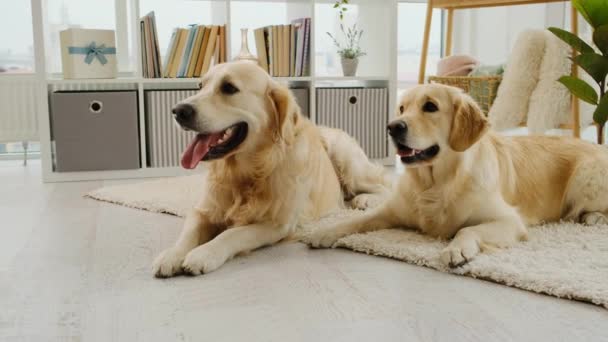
(481, 88)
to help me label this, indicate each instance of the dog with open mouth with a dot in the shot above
(268, 169)
(465, 182)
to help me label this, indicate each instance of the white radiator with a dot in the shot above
(361, 112)
(18, 109)
(165, 141)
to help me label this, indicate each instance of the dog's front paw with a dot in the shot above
(594, 218)
(203, 259)
(459, 252)
(323, 238)
(366, 201)
(168, 263)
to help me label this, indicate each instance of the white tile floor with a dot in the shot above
(73, 269)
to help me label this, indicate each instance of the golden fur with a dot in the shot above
(286, 171)
(482, 188)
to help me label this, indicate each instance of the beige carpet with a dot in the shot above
(564, 260)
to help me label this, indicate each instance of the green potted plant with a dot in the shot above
(593, 62)
(349, 51)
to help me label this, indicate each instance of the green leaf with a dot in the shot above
(594, 11)
(595, 65)
(601, 112)
(580, 89)
(336, 5)
(600, 38)
(571, 39)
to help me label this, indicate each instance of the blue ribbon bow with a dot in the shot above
(93, 51)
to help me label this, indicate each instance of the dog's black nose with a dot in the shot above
(397, 128)
(183, 112)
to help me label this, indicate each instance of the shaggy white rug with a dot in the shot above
(564, 260)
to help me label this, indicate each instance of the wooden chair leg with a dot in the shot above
(449, 32)
(425, 41)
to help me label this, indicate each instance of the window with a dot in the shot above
(410, 29)
(375, 41)
(17, 48)
(18, 148)
(63, 14)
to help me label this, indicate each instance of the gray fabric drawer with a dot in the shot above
(95, 130)
(165, 141)
(361, 112)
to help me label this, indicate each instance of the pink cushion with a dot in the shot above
(457, 65)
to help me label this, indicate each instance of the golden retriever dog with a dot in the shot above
(269, 169)
(462, 180)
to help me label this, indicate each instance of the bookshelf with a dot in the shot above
(378, 68)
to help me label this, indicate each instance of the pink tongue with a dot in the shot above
(198, 148)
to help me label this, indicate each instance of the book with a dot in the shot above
(292, 51)
(198, 38)
(142, 37)
(187, 50)
(260, 45)
(306, 52)
(201, 53)
(155, 47)
(170, 52)
(210, 49)
(275, 50)
(299, 25)
(216, 54)
(179, 52)
(223, 44)
(270, 47)
(285, 50)
(149, 52)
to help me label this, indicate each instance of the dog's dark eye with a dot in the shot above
(429, 107)
(228, 88)
(401, 109)
(200, 85)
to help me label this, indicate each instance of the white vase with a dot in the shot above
(245, 54)
(349, 66)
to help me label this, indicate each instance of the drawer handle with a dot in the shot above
(352, 99)
(95, 107)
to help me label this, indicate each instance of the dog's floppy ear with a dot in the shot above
(285, 112)
(468, 124)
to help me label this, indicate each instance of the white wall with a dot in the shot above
(489, 33)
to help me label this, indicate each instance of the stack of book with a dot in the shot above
(150, 54)
(284, 50)
(193, 50)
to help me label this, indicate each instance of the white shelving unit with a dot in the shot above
(379, 68)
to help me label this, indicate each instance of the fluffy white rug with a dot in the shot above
(564, 260)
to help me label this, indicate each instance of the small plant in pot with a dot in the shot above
(350, 51)
(595, 63)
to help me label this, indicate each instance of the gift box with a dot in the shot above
(88, 53)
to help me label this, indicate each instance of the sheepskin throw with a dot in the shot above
(529, 92)
(565, 260)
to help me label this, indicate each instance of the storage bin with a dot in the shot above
(301, 96)
(361, 112)
(95, 130)
(88, 53)
(165, 141)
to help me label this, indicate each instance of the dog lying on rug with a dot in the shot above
(269, 169)
(466, 182)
